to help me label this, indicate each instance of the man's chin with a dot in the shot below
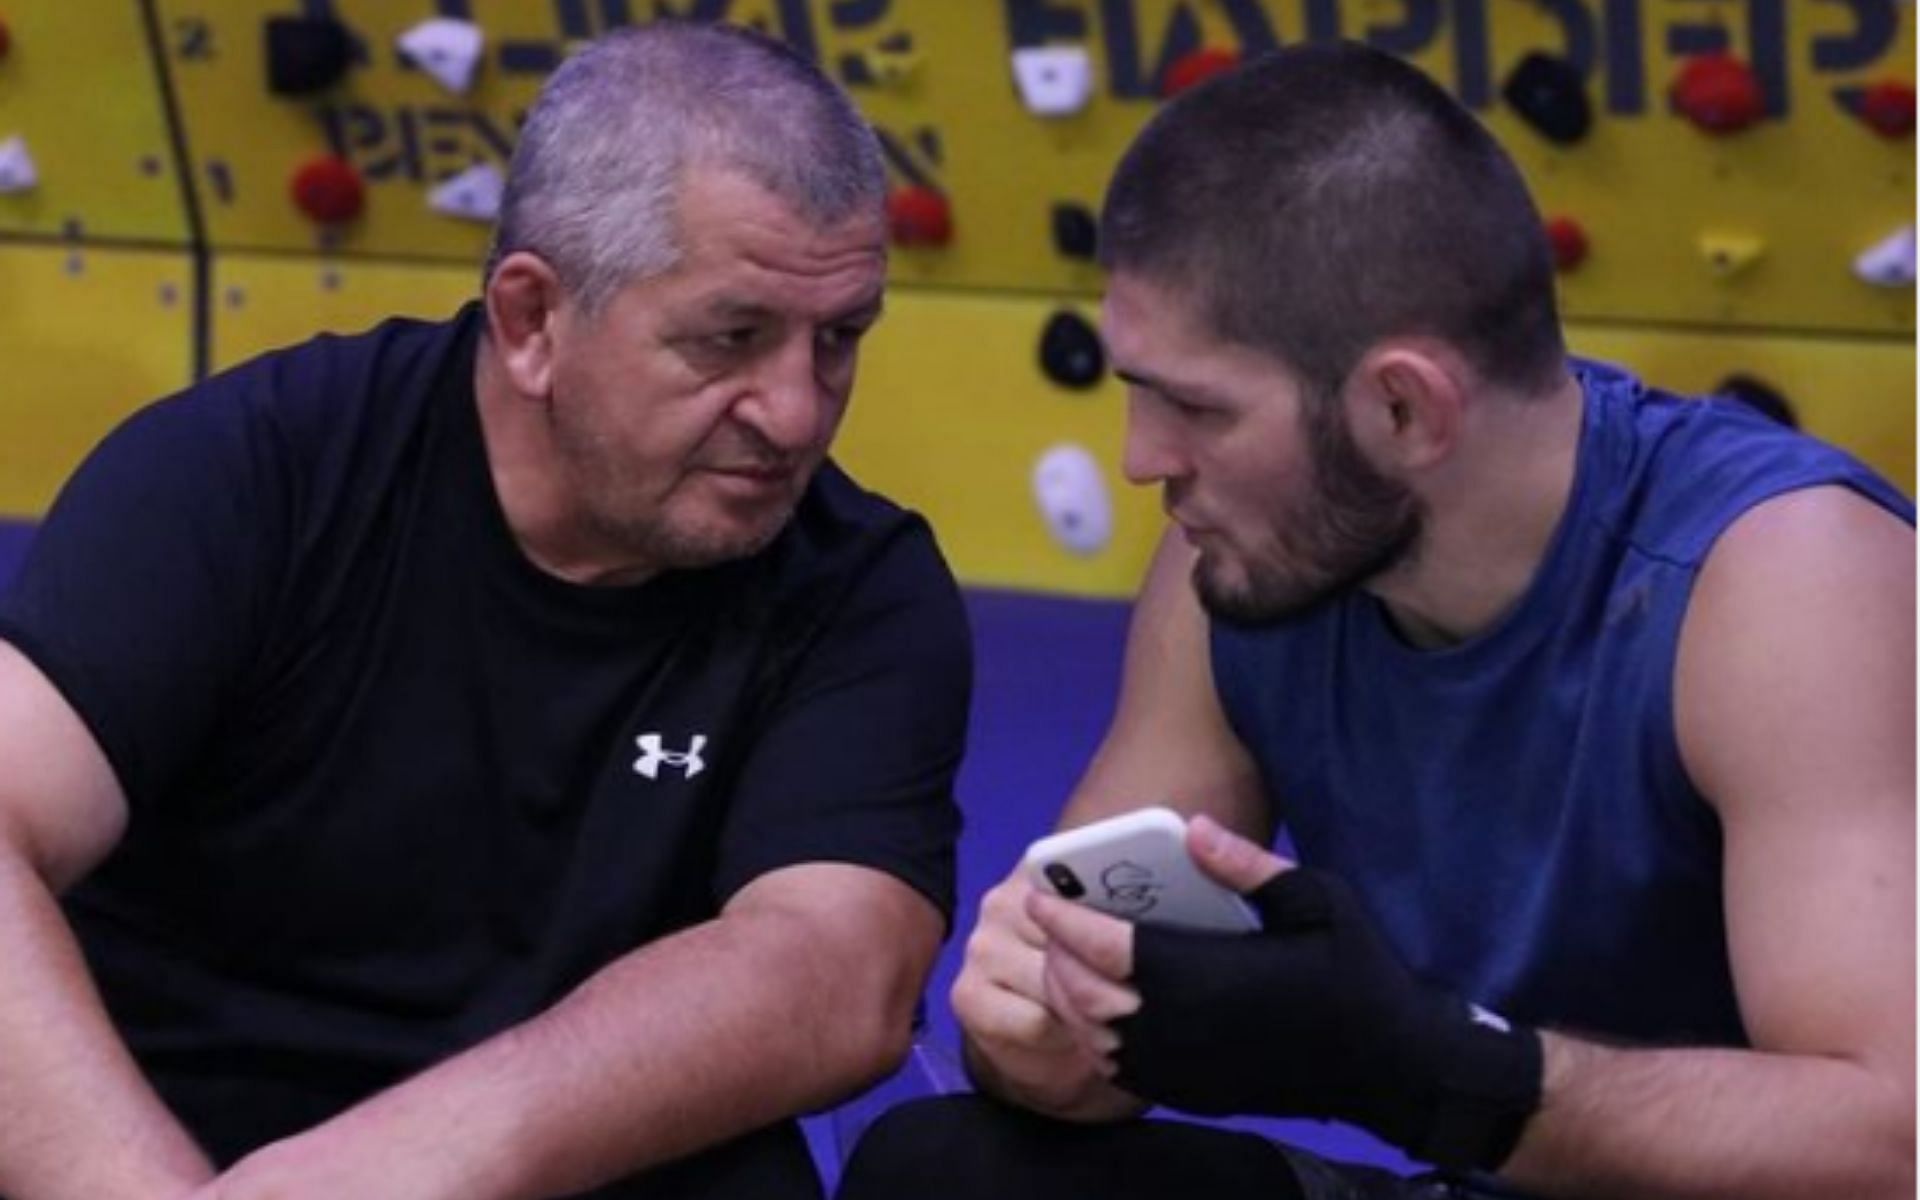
(693, 550)
(689, 546)
(1244, 604)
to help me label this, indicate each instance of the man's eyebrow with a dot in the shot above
(1139, 379)
(1165, 387)
(867, 310)
(726, 308)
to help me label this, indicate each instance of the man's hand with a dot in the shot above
(1021, 1046)
(1089, 957)
(1313, 1016)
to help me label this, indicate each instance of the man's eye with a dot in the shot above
(841, 337)
(733, 339)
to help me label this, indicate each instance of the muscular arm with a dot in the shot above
(1169, 743)
(77, 1119)
(799, 993)
(1794, 705)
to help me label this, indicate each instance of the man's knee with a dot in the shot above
(968, 1146)
(894, 1155)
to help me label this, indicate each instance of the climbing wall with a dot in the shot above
(183, 183)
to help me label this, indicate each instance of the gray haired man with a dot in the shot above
(431, 757)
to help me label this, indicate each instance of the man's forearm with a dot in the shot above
(696, 1039)
(1696, 1123)
(77, 1118)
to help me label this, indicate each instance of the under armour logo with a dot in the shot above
(652, 757)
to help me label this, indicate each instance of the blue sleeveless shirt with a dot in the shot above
(1513, 809)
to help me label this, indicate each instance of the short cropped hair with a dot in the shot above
(1323, 197)
(595, 180)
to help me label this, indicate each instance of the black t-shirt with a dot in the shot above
(392, 787)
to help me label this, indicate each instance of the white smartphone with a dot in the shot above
(1136, 866)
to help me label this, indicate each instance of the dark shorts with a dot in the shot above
(964, 1147)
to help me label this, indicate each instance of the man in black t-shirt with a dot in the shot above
(504, 757)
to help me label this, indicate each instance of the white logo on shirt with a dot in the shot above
(652, 757)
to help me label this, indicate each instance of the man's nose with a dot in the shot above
(1149, 454)
(787, 403)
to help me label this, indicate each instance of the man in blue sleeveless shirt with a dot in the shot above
(1589, 712)
(499, 757)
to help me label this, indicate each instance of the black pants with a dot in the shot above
(967, 1147)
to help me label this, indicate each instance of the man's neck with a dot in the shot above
(529, 481)
(1491, 521)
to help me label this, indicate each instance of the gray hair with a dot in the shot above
(595, 178)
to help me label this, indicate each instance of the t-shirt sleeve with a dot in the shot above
(858, 759)
(143, 590)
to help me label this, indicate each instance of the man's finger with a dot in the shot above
(1229, 858)
(1067, 990)
(1093, 995)
(1008, 1019)
(1102, 942)
(1001, 961)
(1005, 906)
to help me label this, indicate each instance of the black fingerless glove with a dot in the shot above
(1315, 1016)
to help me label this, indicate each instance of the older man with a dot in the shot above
(499, 758)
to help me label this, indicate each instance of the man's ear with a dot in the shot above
(523, 299)
(1406, 403)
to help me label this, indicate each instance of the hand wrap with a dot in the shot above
(1315, 1016)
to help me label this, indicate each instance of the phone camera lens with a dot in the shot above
(1065, 881)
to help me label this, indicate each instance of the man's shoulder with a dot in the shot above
(320, 383)
(837, 496)
(1677, 471)
(845, 541)
(838, 522)
(1819, 531)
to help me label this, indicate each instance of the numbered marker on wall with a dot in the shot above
(1072, 495)
(17, 172)
(447, 49)
(473, 195)
(1054, 81)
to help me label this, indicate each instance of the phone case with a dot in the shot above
(1136, 867)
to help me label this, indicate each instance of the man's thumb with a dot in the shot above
(1229, 858)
